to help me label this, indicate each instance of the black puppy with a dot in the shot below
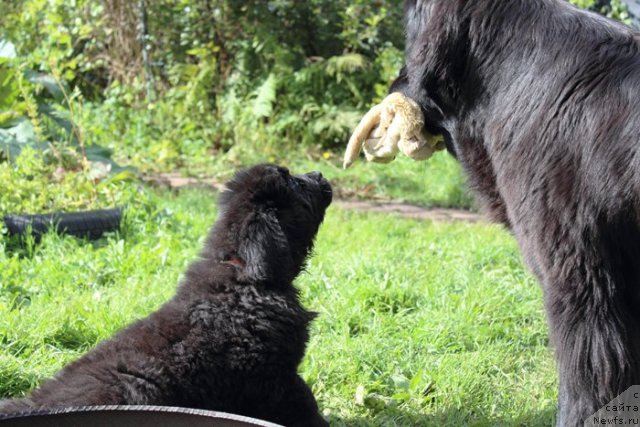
(232, 337)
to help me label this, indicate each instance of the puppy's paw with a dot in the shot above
(396, 124)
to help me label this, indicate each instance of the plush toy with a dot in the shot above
(396, 124)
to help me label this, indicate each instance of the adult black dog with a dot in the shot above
(539, 102)
(232, 337)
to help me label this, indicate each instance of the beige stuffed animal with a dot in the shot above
(396, 124)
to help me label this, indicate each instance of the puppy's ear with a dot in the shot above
(264, 248)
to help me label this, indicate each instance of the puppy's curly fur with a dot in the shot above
(232, 337)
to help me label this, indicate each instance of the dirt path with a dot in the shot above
(404, 210)
(407, 210)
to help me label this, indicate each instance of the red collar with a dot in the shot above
(234, 262)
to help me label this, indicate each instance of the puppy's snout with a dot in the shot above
(323, 185)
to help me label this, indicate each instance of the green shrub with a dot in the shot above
(225, 83)
(32, 185)
(612, 8)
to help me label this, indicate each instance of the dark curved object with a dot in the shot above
(89, 224)
(128, 416)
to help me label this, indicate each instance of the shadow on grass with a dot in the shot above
(452, 417)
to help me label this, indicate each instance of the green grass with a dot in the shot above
(420, 323)
(436, 182)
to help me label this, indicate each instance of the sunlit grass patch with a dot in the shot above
(419, 323)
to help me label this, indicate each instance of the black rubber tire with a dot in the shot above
(87, 224)
(129, 416)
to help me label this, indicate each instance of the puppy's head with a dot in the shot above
(268, 220)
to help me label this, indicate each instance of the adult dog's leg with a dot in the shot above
(591, 291)
(594, 352)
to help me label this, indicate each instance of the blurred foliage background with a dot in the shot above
(200, 86)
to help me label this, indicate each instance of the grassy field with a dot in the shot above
(420, 323)
(436, 182)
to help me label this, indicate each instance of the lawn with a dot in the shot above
(419, 323)
(438, 182)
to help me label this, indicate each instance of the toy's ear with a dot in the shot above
(264, 248)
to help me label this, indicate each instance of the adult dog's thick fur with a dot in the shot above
(539, 101)
(233, 335)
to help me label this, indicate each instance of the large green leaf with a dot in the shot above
(7, 49)
(48, 82)
(60, 118)
(14, 139)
